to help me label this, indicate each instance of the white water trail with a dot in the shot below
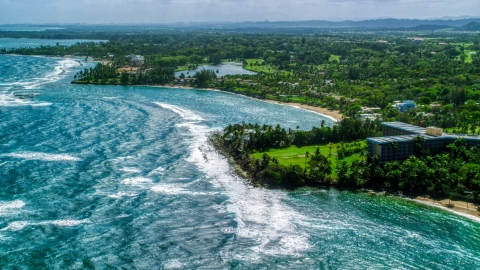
(42, 156)
(261, 214)
(62, 68)
(8, 99)
(20, 225)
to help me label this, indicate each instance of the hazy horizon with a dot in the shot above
(175, 11)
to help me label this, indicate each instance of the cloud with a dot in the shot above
(161, 11)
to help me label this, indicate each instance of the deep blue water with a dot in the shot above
(121, 177)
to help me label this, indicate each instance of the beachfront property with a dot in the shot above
(405, 105)
(136, 60)
(398, 141)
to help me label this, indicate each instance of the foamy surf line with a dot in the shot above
(61, 68)
(185, 114)
(261, 214)
(19, 225)
(7, 206)
(9, 100)
(42, 156)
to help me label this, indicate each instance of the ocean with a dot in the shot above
(107, 177)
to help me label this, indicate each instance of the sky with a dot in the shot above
(166, 11)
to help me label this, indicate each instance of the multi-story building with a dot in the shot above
(399, 140)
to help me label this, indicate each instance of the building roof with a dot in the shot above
(405, 127)
(401, 138)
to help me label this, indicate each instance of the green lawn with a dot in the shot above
(265, 68)
(296, 155)
(334, 57)
(259, 68)
(468, 59)
(181, 68)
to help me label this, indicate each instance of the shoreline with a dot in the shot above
(335, 116)
(470, 211)
(461, 208)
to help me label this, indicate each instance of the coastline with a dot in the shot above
(467, 210)
(464, 209)
(333, 115)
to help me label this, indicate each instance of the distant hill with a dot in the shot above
(472, 26)
(424, 27)
(366, 24)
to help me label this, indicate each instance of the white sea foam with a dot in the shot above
(120, 195)
(42, 156)
(69, 222)
(15, 226)
(9, 100)
(174, 189)
(261, 214)
(137, 181)
(130, 170)
(7, 206)
(173, 264)
(61, 68)
(158, 170)
(20, 225)
(185, 114)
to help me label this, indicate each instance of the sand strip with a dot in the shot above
(468, 210)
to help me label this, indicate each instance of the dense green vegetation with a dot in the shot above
(274, 157)
(337, 70)
(246, 143)
(440, 72)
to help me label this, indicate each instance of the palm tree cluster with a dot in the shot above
(453, 173)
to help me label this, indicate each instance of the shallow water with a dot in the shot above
(107, 176)
(221, 70)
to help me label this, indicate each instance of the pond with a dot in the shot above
(223, 69)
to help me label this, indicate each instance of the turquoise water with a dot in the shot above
(121, 177)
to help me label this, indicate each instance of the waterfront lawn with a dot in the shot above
(182, 68)
(257, 66)
(295, 155)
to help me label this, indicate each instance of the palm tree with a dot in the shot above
(307, 154)
(330, 145)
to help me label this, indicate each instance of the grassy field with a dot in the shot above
(181, 68)
(296, 155)
(334, 57)
(469, 54)
(262, 68)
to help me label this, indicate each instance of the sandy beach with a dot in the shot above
(332, 114)
(468, 210)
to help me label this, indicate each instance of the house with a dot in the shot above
(136, 60)
(417, 40)
(405, 105)
(371, 116)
